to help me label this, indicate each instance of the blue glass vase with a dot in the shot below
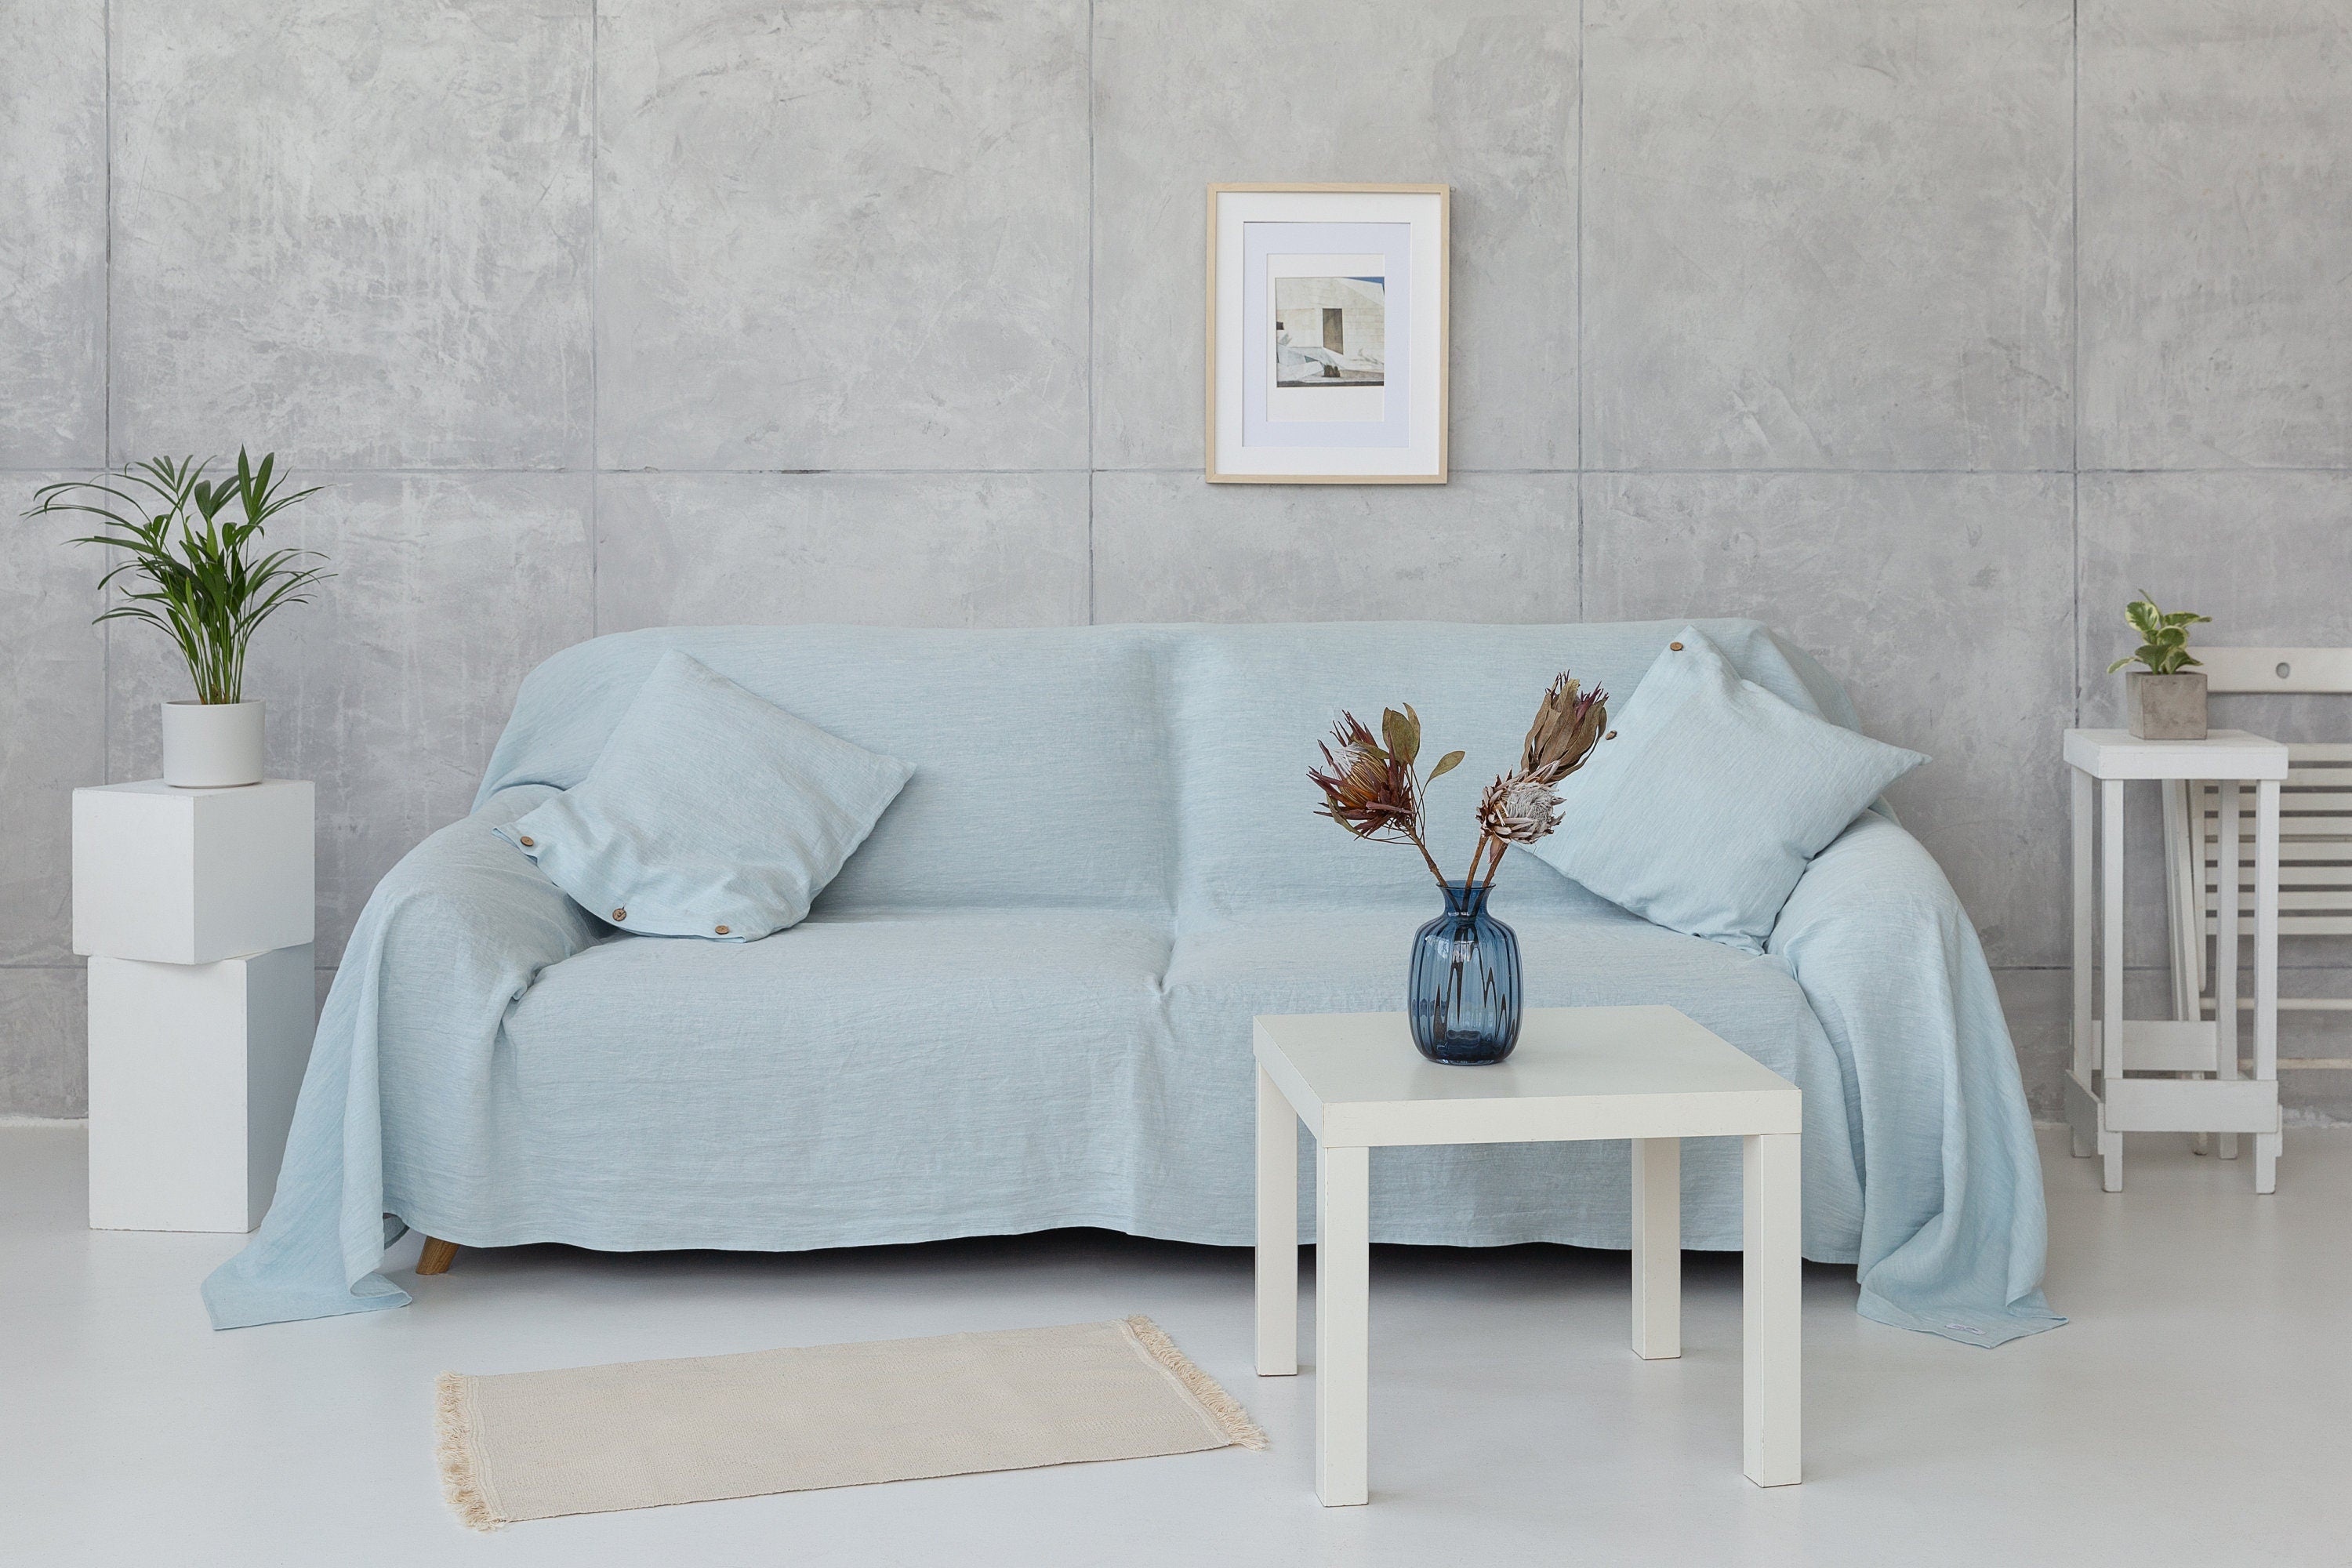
(1464, 996)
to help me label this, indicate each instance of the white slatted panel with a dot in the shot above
(2315, 821)
(2322, 669)
(2335, 873)
(2318, 854)
(2308, 901)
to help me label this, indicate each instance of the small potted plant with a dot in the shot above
(193, 567)
(2166, 699)
(1462, 993)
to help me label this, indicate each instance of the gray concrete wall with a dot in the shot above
(1923, 329)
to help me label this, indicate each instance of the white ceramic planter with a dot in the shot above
(208, 745)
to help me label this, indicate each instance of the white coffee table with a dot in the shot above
(1648, 1074)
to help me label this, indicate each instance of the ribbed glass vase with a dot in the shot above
(1464, 996)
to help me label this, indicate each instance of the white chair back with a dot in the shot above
(2315, 835)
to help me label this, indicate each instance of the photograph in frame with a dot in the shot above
(1326, 329)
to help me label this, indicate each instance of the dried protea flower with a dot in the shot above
(1566, 726)
(1366, 789)
(1518, 808)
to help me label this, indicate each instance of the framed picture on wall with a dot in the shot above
(1327, 334)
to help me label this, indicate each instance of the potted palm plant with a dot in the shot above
(193, 566)
(2165, 699)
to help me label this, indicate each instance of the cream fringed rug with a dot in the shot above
(533, 1445)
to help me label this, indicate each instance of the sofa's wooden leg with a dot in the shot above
(437, 1256)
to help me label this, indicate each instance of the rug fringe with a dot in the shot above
(1223, 1407)
(458, 1455)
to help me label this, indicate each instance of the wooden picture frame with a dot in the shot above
(1261, 378)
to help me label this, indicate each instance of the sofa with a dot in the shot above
(1025, 1002)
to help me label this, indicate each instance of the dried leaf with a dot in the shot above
(1445, 764)
(1402, 733)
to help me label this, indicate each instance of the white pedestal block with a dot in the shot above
(192, 876)
(193, 1069)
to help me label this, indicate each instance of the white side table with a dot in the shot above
(196, 909)
(2103, 1102)
(1648, 1074)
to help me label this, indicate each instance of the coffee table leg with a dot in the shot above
(1771, 1303)
(1657, 1247)
(1278, 1231)
(1342, 1322)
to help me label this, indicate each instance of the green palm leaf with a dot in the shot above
(191, 562)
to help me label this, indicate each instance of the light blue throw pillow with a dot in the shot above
(1701, 810)
(709, 812)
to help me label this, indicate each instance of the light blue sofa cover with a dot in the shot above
(1025, 1002)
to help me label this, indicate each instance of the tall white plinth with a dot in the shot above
(193, 1069)
(191, 876)
(197, 910)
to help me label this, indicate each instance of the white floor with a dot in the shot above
(2198, 1410)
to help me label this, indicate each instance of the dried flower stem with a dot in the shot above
(1374, 791)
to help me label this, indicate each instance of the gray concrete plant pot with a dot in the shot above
(2166, 707)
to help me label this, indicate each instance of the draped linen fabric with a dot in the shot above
(1026, 1001)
